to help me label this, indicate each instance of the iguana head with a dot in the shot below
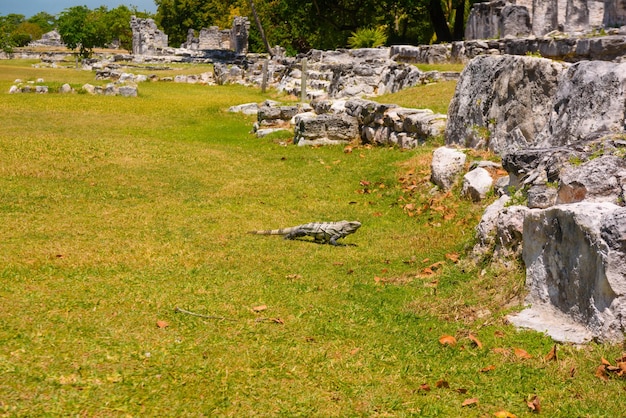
(351, 227)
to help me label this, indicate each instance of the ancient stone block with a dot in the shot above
(575, 257)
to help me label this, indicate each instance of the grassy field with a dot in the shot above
(114, 212)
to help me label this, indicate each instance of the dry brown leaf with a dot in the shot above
(425, 387)
(377, 214)
(521, 353)
(162, 324)
(454, 257)
(364, 183)
(488, 368)
(293, 276)
(259, 308)
(605, 362)
(470, 401)
(551, 356)
(355, 350)
(447, 340)
(498, 334)
(347, 149)
(462, 391)
(442, 384)
(427, 271)
(504, 414)
(572, 372)
(449, 216)
(475, 341)
(277, 321)
(435, 266)
(533, 403)
(601, 373)
(503, 351)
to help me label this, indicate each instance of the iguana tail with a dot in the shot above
(284, 231)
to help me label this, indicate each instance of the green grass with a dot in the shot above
(435, 96)
(114, 211)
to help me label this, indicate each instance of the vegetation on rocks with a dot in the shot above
(129, 285)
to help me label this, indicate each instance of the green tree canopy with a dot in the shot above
(299, 25)
(45, 21)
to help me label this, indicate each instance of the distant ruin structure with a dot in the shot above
(518, 18)
(52, 38)
(148, 39)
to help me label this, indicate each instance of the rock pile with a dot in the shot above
(566, 157)
(329, 122)
(111, 89)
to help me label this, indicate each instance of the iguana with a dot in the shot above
(322, 232)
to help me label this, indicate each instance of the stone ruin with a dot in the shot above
(149, 40)
(502, 18)
(52, 38)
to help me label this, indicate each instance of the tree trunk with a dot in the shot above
(260, 28)
(439, 22)
(459, 21)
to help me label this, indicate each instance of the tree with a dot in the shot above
(83, 28)
(45, 21)
(118, 22)
(176, 17)
(8, 25)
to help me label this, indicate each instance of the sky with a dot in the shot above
(54, 7)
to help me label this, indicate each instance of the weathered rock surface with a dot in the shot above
(446, 166)
(332, 122)
(326, 129)
(476, 184)
(591, 98)
(575, 258)
(570, 165)
(502, 102)
(497, 19)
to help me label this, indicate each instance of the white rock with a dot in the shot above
(446, 166)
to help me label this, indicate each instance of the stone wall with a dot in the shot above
(501, 18)
(149, 40)
(497, 19)
(212, 38)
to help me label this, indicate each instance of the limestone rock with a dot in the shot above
(591, 98)
(541, 196)
(486, 228)
(497, 19)
(446, 166)
(476, 184)
(325, 129)
(601, 179)
(575, 257)
(502, 102)
(127, 91)
(246, 109)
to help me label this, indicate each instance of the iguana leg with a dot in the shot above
(333, 240)
(295, 234)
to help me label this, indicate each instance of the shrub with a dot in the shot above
(367, 38)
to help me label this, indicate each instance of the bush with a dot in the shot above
(367, 38)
